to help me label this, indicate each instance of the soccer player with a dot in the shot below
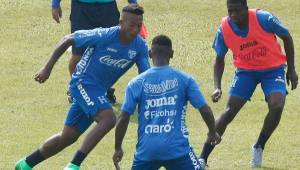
(251, 35)
(161, 94)
(110, 53)
(85, 15)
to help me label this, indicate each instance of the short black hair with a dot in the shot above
(243, 3)
(162, 40)
(133, 9)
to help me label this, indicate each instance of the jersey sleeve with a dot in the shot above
(271, 23)
(142, 61)
(219, 44)
(130, 99)
(55, 4)
(85, 38)
(194, 94)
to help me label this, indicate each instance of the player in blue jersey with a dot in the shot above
(161, 94)
(89, 14)
(110, 53)
(272, 79)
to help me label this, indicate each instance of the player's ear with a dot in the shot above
(171, 53)
(150, 53)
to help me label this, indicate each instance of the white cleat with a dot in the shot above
(202, 164)
(256, 160)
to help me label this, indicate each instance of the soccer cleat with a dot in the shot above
(22, 165)
(202, 164)
(72, 166)
(256, 157)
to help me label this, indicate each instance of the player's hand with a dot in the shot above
(292, 77)
(216, 95)
(213, 138)
(117, 158)
(56, 14)
(42, 75)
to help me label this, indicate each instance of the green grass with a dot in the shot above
(31, 112)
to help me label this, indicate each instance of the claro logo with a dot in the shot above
(154, 128)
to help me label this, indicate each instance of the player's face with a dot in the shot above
(131, 24)
(237, 13)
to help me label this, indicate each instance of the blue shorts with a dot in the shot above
(245, 82)
(88, 100)
(186, 162)
(85, 16)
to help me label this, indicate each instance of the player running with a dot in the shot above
(110, 53)
(251, 36)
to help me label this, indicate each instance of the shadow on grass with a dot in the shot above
(117, 110)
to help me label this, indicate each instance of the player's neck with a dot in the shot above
(160, 63)
(124, 38)
(243, 24)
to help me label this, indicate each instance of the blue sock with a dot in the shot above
(78, 158)
(34, 159)
(261, 141)
(207, 149)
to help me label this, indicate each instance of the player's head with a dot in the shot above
(237, 10)
(161, 50)
(131, 20)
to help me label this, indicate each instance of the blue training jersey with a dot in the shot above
(161, 94)
(106, 59)
(267, 21)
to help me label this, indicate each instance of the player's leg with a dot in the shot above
(186, 162)
(273, 85)
(106, 120)
(104, 15)
(242, 88)
(92, 100)
(76, 123)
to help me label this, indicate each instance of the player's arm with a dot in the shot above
(120, 132)
(43, 74)
(198, 101)
(128, 109)
(271, 23)
(219, 64)
(291, 75)
(56, 10)
(208, 117)
(218, 74)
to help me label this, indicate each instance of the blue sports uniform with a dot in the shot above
(161, 94)
(272, 80)
(90, 14)
(103, 63)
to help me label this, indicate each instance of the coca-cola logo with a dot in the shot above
(120, 63)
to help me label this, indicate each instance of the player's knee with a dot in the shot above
(112, 120)
(107, 117)
(68, 139)
(276, 106)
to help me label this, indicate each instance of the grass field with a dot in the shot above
(31, 112)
